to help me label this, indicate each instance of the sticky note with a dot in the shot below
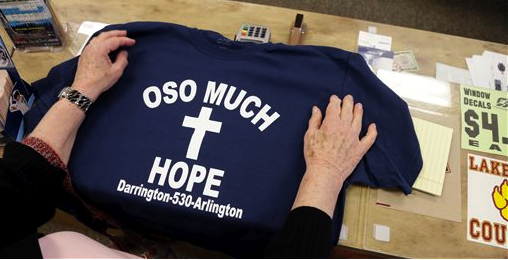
(381, 233)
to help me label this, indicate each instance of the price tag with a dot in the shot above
(484, 120)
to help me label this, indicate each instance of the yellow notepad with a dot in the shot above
(435, 141)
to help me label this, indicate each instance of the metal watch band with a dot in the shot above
(75, 97)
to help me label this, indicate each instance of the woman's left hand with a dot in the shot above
(96, 72)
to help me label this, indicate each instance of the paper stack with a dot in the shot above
(489, 70)
(435, 141)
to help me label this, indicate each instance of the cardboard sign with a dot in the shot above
(487, 201)
(484, 120)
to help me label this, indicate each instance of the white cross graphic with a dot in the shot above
(201, 125)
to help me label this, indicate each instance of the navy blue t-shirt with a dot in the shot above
(202, 138)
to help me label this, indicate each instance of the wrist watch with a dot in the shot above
(74, 96)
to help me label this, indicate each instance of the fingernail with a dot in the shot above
(314, 109)
(374, 125)
(360, 106)
(126, 54)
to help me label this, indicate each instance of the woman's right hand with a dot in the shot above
(332, 146)
(332, 149)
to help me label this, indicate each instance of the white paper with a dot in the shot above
(453, 74)
(499, 66)
(372, 29)
(343, 233)
(480, 71)
(88, 28)
(373, 40)
(419, 88)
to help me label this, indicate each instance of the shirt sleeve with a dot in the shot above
(28, 189)
(395, 158)
(307, 233)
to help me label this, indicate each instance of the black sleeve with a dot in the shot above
(307, 233)
(28, 189)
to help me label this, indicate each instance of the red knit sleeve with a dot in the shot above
(46, 151)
